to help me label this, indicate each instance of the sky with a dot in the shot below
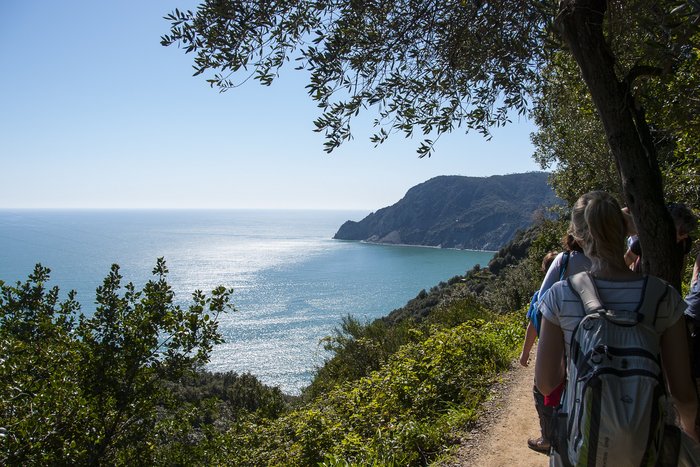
(95, 113)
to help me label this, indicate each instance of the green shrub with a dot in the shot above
(90, 390)
(513, 287)
(401, 414)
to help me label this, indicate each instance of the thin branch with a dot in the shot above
(641, 70)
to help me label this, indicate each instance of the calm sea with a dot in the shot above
(292, 282)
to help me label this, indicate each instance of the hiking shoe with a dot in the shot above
(539, 444)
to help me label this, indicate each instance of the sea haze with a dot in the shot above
(292, 283)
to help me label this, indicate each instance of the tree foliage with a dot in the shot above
(571, 137)
(440, 66)
(427, 65)
(91, 390)
(674, 108)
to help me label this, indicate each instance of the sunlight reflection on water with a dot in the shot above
(292, 283)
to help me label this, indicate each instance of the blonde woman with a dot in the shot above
(598, 226)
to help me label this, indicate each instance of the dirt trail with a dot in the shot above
(509, 419)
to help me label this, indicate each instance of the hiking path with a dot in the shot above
(507, 420)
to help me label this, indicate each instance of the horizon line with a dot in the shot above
(155, 208)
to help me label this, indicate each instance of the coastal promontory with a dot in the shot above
(480, 213)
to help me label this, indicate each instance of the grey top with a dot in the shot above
(578, 262)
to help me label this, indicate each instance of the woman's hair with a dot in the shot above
(569, 243)
(598, 226)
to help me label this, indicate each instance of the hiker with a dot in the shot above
(631, 234)
(558, 267)
(685, 222)
(576, 262)
(533, 325)
(540, 444)
(692, 317)
(629, 429)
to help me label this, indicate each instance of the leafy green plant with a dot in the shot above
(90, 390)
(401, 414)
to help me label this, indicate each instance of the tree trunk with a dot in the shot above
(580, 23)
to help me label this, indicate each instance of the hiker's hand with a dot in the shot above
(524, 358)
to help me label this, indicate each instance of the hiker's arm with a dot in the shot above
(549, 372)
(696, 268)
(633, 253)
(674, 355)
(530, 336)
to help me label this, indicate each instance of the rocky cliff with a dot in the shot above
(480, 213)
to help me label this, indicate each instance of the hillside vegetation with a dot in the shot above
(127, 387)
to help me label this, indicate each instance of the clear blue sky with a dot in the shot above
(95, 113)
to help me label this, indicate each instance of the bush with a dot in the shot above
(126, 386)
(398, 415)
(513, 287)
(90, 390)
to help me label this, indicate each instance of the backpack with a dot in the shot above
(533, 313)
(615, 399)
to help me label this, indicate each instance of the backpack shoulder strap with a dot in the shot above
(583, 285)
(564, 265)
(654, 290)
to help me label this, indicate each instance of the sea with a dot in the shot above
(293, 283)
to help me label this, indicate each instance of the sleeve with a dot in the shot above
(552, 275)
(549, 305)
(532, 309)
(671, 308)
(693, 301)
